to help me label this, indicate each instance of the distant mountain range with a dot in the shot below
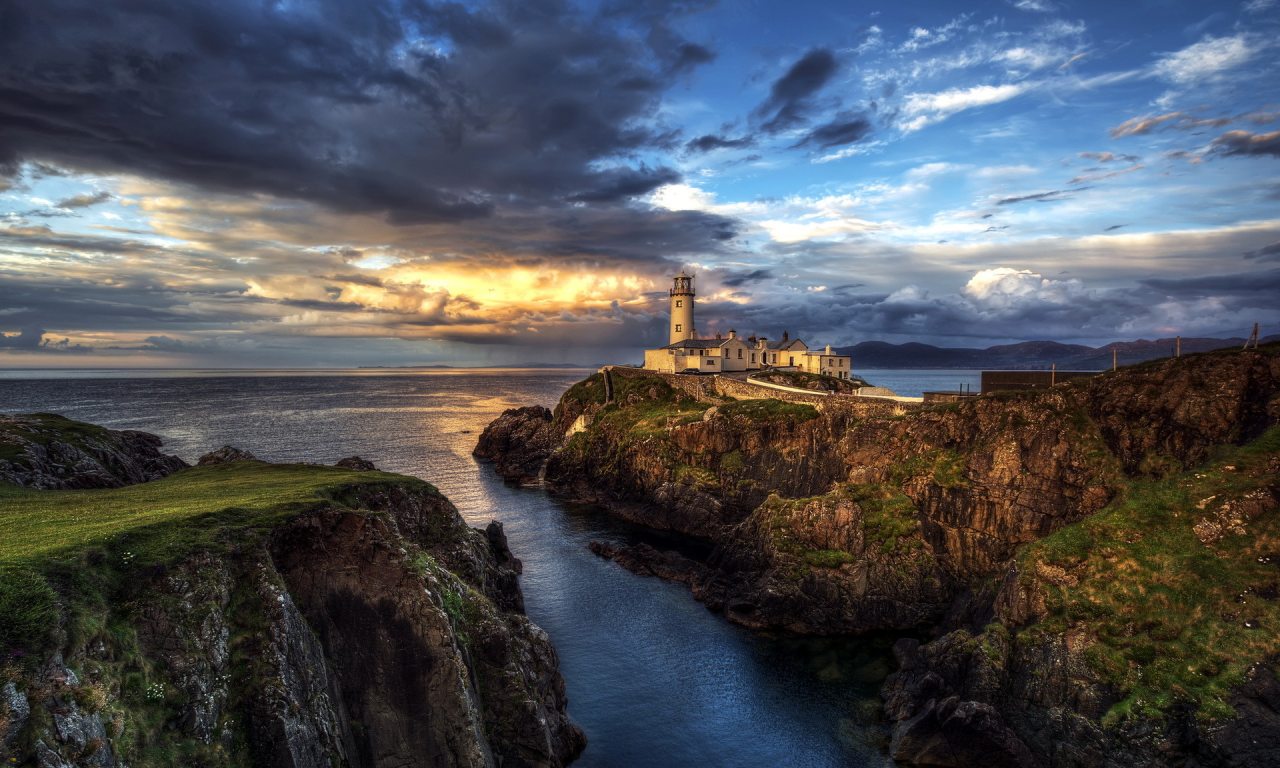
(1028, 355)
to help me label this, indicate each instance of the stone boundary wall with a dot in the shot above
(711, 389)
(794, 390)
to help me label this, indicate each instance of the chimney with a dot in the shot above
(733, 334)
(784, 335)
(752, 338)
(828, 349)
(717, 335)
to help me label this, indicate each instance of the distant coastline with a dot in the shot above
(1027, 355)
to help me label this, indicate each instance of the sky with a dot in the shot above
(332, 183)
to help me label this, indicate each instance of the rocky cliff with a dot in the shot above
(315, 617)
(47, 451)
(826, 521)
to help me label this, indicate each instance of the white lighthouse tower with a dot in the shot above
(682, 308)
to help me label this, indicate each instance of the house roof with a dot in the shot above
(699, 344)
(788, 344)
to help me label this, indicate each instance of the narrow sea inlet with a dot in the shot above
(653, 677)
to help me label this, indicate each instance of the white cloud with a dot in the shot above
(1004, 172)
(1206, 59)
(1003, 287)
(930, 170)
(921, 109)
(1042, 6)
(1257, 6)
(857, 149)
(925, 38)
(682, 197)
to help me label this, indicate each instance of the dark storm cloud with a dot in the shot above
(734, 281)
(846, 128)
(44, 237)
(422, 111)
(1114, 227)
(28, 337)
(790, 98)
(1265, 253)
(1245, 143)
(711, 142)
(1251, 287)
(627, 182)
(85, 201)
(369, 280)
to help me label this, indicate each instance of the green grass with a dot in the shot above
(80, 545)
(39, 524)
(769, 411)
(1168, 609)
(888, 516)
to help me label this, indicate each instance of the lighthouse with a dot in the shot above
(682, 308)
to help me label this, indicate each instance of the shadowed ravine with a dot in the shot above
(652, 676)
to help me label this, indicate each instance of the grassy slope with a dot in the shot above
(70, 563)
(56, 538)
(1177, 619)
(177, 513)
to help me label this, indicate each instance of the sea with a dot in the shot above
(654, 678)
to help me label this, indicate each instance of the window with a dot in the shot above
(753, 357)
(739, 354)
(775, 358)
(791, 361)
(679, 303)
(679, 328)
(710, 361)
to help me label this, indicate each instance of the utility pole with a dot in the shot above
(1178, 350)
(1053, 375)
(1113, 358)
(1253, 337)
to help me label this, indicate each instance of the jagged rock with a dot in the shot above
(47, 758)
(54, 453)
(14, 711)
(958, 734)
(382, 632)
(648, 561)
(225, 455)
(857, 520)
(357, 464)
(520, 440)
(982, 478)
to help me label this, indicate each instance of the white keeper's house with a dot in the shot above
(732, 353)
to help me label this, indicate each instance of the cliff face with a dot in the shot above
(50, 452)
(369, 627)
(828, 520)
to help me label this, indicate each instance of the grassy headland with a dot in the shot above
(1177, 580)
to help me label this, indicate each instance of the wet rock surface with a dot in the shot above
(520, 441)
